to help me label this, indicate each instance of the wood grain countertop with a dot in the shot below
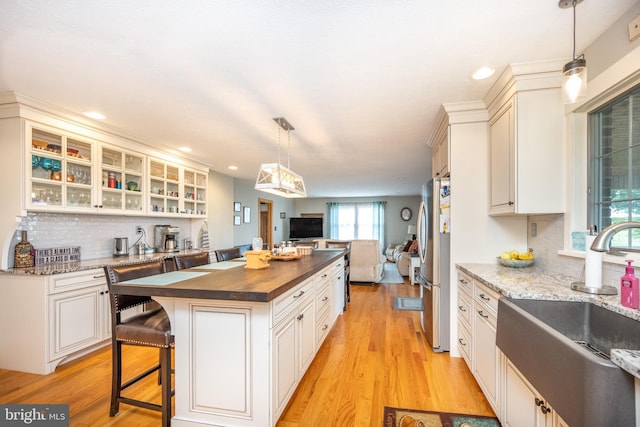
(235, 283)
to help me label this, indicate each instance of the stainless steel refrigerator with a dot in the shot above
(433, 246)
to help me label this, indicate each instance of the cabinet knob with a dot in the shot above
(300, 316)
(323, 276)
(539, 402)
(510, 203)
(545, 409)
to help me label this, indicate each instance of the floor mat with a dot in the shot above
(391, 274)
(397, 417)
(407, 303)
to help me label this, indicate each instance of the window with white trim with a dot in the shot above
(614, 167)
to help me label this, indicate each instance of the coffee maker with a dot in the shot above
(167, 238)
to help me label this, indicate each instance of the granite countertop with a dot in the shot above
(533, 283)
(90, 264)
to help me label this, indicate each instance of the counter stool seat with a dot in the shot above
(150, 328)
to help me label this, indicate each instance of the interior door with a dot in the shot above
(265, 221)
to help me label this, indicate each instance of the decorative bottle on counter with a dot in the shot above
(24, 254)
(629, 288)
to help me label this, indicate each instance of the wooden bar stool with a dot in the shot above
(150, 328)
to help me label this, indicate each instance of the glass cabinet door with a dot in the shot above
(122, 182)
(61, 171)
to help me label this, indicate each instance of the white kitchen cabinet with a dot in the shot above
(464, 316)
(526, 144)
(121, 183)
(60, 170)
(79, 312)
(485, 352)
(294, 340)
(523, 405)
(440, 154)
(194, 193)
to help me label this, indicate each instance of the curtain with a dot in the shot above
(359, 221)
(333, 219)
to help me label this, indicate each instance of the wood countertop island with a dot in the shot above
(230, 280)
(244, 338)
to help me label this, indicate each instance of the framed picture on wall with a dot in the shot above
(236, 220)
(247, 214)
(236, 206)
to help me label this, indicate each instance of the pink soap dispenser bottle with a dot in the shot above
(629, 288)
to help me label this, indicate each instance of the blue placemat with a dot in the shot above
(220, 265)
(164, 279)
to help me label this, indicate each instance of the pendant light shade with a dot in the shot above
(274, 178)
(574, 72)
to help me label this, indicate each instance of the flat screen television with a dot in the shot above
(305, 228)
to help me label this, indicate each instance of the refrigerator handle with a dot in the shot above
(421, 237)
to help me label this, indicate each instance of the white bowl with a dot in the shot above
(515, 263)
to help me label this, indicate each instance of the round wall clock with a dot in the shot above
(405, 214)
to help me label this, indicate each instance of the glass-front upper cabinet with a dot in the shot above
(61, 171)
(121, 180)
(164, 187)
(195, 193)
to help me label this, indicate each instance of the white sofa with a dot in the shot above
(367, 261)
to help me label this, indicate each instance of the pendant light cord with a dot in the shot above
(574, 28)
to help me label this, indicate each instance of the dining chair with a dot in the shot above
(149, 328)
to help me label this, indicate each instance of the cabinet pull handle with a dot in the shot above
(461, 341)
(323, 276)
(463, 281)
(461, 308)
(300, 316)
(299, 295)
(539, 402)
(484, 297)
(510, 203)
(481, 313)
(324, 299)
(101, 276)
(545, 409)
(101, 292)
(324, 328)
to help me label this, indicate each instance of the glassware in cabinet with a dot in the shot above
(61, 170)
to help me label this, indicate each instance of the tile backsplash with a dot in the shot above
(550, 239)
(93, 233)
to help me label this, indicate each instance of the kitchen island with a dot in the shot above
(244, 338)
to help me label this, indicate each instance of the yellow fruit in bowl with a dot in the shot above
(514, 254)
(526, 255)
(505, 255)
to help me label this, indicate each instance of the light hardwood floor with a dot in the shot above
(374, 357)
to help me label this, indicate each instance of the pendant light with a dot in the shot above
(276, 179)
(574, 72)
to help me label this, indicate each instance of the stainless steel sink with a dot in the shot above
(563, 349)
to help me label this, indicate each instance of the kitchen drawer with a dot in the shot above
(322, 328)
(323, 276)
(76, 280)
(288, 301)
(464, 309)
(464, 344)
(465, 284)
(487, 297)
(323, 298)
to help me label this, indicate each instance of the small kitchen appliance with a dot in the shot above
(120, 246)
(167, 238)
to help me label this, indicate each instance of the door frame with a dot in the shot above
(265, 220)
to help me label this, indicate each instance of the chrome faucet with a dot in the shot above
(602, 243)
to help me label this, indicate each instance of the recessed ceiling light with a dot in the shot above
(483, 72)
(185, 149)
(233, 167)
(94, 115)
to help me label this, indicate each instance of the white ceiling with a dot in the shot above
(361, 81)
